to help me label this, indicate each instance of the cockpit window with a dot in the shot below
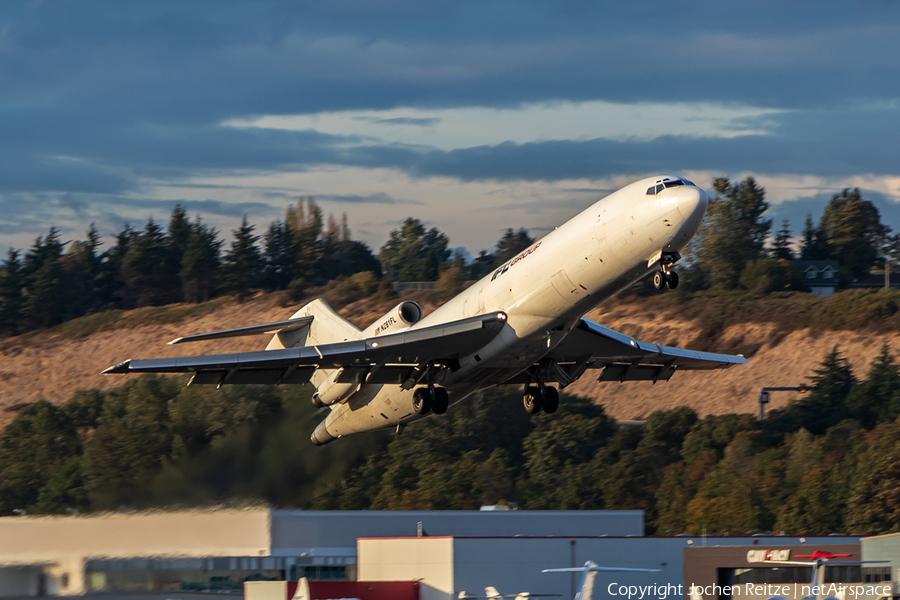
(667, 183)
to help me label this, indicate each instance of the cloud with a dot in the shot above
(103, 101)
(418, 122)
(377, 198)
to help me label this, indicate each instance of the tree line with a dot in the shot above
(187, 261)
(736, 248)
(829, 462)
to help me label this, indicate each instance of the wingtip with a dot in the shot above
(122, 367)
(175, 341)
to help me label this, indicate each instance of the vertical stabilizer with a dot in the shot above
(327, 327)
(590, 570)
(492, 593)
(302, 592)
(586, 591)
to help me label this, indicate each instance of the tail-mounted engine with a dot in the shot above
(340, 384)
(398, 318)
(331, 392)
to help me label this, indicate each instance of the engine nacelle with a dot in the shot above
(398, 318)
(331, 392)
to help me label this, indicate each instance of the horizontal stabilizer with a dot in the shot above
(268, 328)
(600, 569)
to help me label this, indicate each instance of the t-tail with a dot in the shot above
(818, 564)
(590, 570)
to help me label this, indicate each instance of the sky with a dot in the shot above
(470, 116)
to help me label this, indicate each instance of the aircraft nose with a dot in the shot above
(691, 202)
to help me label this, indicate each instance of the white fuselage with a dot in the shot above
(543, 290)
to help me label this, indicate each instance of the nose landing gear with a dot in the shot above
(666, 276)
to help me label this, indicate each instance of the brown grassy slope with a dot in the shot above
(54, 364)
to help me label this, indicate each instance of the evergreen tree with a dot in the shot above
(111, 279)
(242, 266)
(345, 228)
(482, 265)
(854, 231)
(511, 244)
(735, 232)
(81, 273)
(305, 226)
(36, 443)
(814, 245)
(12, 300)
(781, 246)
(179, 234)
(279, 255)
(825, 406)
(875, 484)
(413, 253)
(146, 269)
(332, 234)
(878, 397)
(346, 258)
(200, 270)
(45, 303)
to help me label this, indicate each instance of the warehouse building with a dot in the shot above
(886, 548)
(447, 566)
(219, 549)
(447, 552)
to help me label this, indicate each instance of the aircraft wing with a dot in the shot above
(592, 346)
(389, 358)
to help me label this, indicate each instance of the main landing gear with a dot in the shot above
(431, 399)
(538, 398)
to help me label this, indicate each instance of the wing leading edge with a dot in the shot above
(592, 346)
(388, 356)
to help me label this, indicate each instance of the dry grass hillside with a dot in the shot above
(54, 364)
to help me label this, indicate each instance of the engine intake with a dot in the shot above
(398, 318)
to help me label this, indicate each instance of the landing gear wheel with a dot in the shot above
(659, 280)
(422, 401)
(534, 400)
(671, 280)
(551, 400)
(441, 400)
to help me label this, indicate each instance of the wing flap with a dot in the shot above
(253, 376)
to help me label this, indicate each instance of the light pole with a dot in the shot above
(764, 396)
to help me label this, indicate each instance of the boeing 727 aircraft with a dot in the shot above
(521, 324)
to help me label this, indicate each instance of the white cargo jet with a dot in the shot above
(521, 324)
